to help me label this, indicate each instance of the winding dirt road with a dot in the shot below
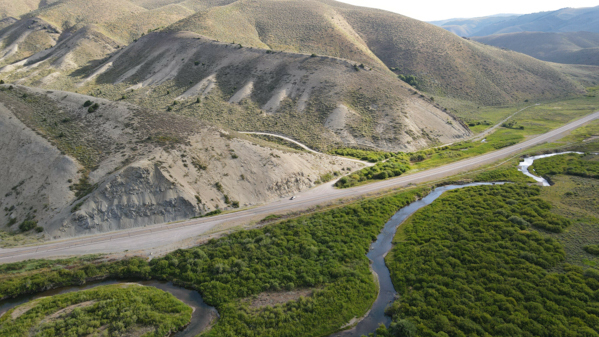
(147, 238)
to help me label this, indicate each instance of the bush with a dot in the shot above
(403, 328)
(410, 79)
(11, 222)
(39, 229)
(461, 267)
(93, 108)
(27, 225)
(592, 249)
(87, 103)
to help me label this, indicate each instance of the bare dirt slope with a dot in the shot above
(122, 166)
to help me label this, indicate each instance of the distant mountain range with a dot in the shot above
(568, 35)
(559, 21)
(570, 48)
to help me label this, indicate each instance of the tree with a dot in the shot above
(403, 328)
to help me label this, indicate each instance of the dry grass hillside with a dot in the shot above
(306, 26)
(323, 101)
(443, 63)
(16, 8)
(569, 48)
(25, 38)
(448, 65)
(120, 166)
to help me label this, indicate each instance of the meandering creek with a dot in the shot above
(377, 253)
(527, 162)
(204, 314)
(200, 319)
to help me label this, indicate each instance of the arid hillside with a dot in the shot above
(442, 63)
(568, 48)
(323, 101)
(78, 168)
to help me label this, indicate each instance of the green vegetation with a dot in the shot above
(570, 164)
(592, 249)
(410, 79)
(27, 225)
(399, 163)
(578, 199)
(535, 119)
(504, 173)
(471, 264)
(83, 187)
(325, 251)
(393, 167)
(365, 155)
(93, 108)
(112, 310)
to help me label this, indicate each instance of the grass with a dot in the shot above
(536, 119)
(112, 310)
(570, 164)
(576, 198)
(45, 265)
(10, 239)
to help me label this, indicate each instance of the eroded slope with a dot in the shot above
(120, 166)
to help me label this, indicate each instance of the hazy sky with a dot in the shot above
(430, 10)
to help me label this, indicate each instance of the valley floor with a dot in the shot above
(152, 240)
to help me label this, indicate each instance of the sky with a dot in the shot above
(431, 10)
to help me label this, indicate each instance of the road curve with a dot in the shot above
(303, 146)
(146, 238)
(282, 137)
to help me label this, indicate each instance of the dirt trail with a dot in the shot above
(303, 146)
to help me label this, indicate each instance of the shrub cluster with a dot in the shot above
(114, 310)
(570, 164)
(469, 264)
(394, 167)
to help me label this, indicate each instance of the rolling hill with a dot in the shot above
(315, 70)
(562, 20)
(119, 166)
(569, 48)
(467, 27)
